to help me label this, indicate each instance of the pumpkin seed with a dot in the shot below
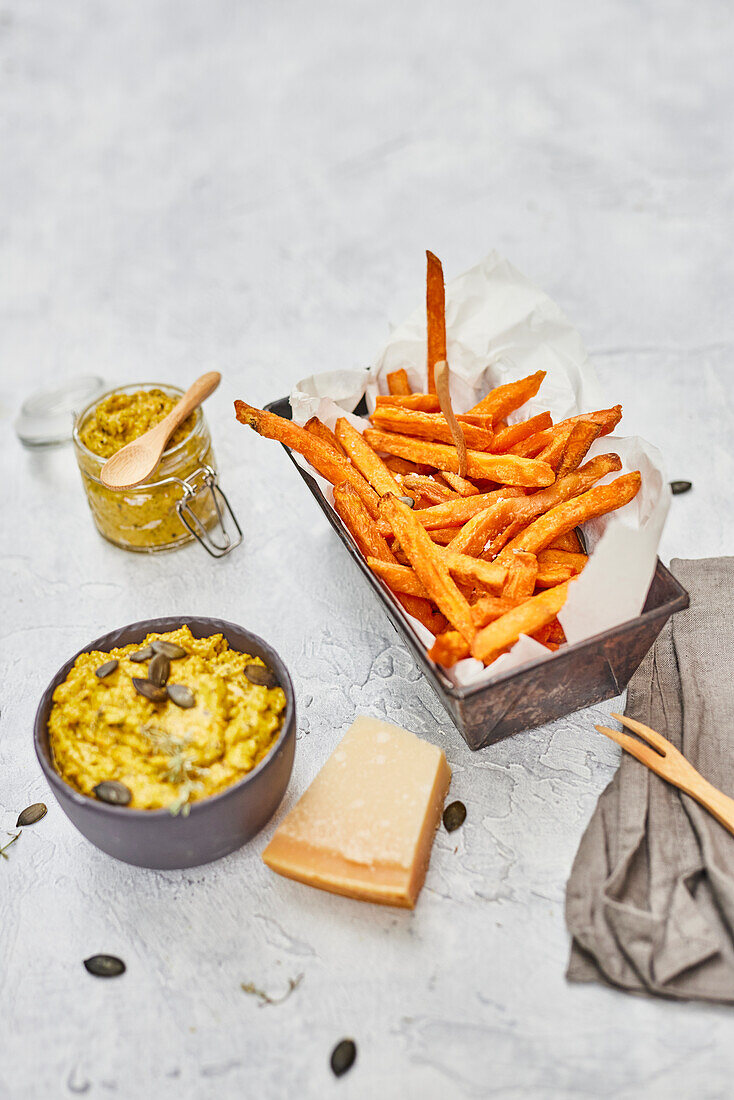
(159, 670)
(31, 814)
(106, 668)
(114, 792)
(260, 675)
(180, 695)
(343, 1056)
(453, 816)
(168, 649)
(678, 487)
(154, 692)
(141, 655)
(410, 501)
(104, 966)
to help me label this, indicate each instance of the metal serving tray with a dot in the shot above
(576, 676)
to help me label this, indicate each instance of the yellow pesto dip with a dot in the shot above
(122, 417)
(101, 729)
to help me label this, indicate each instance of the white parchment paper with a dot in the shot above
(500, 328)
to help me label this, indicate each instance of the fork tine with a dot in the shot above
(646, 733)
(653, 760)
(652, 736)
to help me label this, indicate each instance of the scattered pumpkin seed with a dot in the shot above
(168, 649)
(343, 1057)
(261, 676)
(410, 501)
(154, 692)
(453, 816)
(159, 670)
(104, 966)
(181, 695)
(106, 668)
(678, 487)
(141, 655)
(31, 814)
(114, 792)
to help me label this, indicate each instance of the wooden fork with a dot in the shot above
(665, 760)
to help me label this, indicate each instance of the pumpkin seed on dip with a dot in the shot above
(167, 755)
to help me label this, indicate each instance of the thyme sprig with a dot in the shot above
(180, 770)
(3, 850)
(265, 998)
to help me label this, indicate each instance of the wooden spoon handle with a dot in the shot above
(195, 394)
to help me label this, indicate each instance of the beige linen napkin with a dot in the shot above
(650, 900)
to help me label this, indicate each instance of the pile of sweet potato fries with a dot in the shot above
(471, 522)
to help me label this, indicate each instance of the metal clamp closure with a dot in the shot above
(218, 541)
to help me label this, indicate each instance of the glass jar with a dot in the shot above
(181, 500)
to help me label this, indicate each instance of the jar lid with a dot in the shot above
(47, 417)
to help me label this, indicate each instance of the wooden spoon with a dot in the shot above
(136, 461)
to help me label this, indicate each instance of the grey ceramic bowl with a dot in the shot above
(215, 826)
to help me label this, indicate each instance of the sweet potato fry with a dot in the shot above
(398, 384)
(402, 466)
(364, 458)
(508, 518)
(551, 575)
(404, 579)
(478, 420)
(450, 647)
(526, 618)
(472, 537)
(429, 488)
(356, 519)
(515, 433)
(455, 513)
(358, 522)
(423, 402)
(564, 517)
(441, 535)
(459, 484)
(553, 453)
(319, 429)
(329, 463)
(503, 400)
(556, 633)
(522, 571)
(506, 469)
(427, 426)
(428, 564)
(581, 437)
(484, 573)
(436, 316)
(400, 578)
(607, 418)
(571, 541)
(551, 635)
(574, 562)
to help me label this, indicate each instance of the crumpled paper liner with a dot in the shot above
(500, 328)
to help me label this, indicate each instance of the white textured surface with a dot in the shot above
(250, 187)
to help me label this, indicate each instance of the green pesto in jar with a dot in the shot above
(144, 518)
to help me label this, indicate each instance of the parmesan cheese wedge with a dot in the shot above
(365, 826)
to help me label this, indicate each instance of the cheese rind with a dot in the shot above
(365, 826)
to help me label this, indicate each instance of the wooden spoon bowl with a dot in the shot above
(136, 461)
